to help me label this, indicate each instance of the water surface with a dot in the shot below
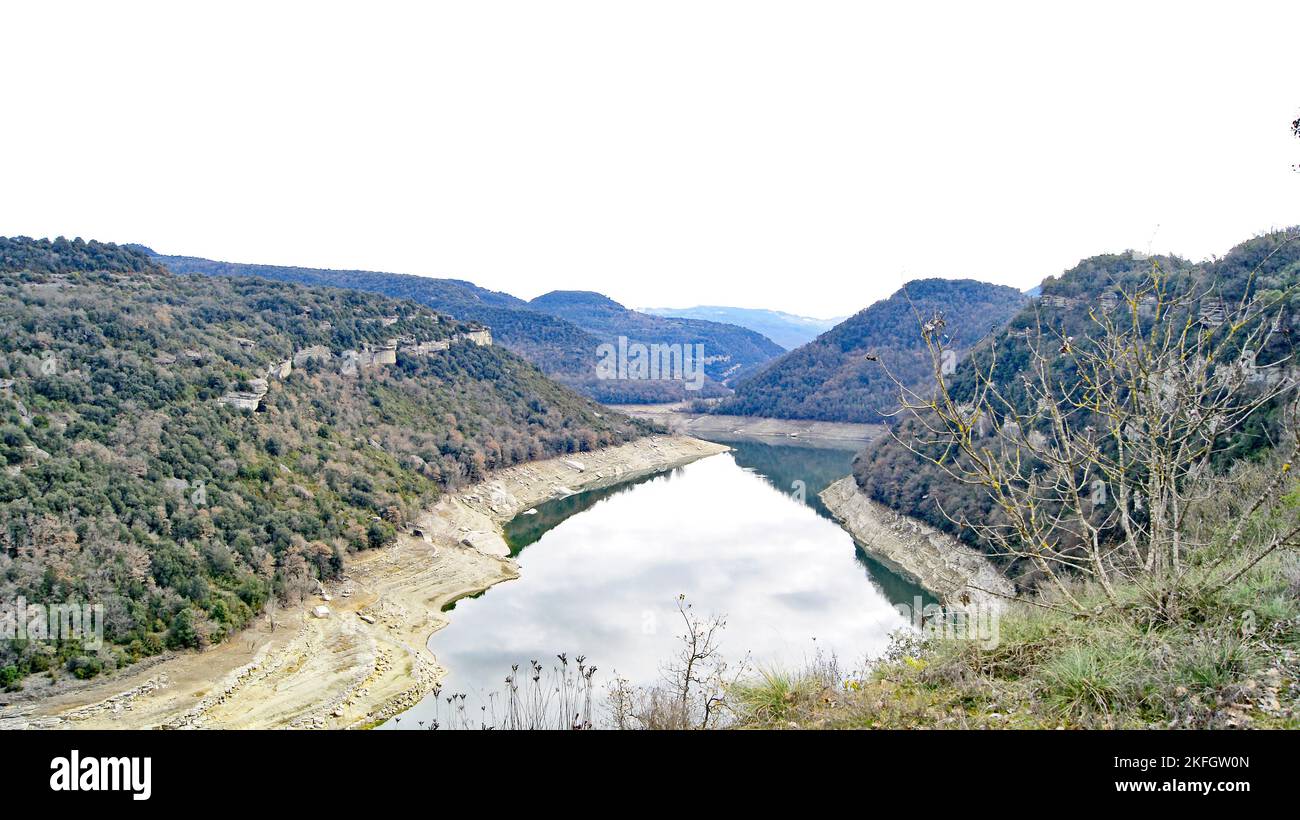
(740, 533)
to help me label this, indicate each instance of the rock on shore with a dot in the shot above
(934, 559)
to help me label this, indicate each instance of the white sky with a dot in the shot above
(806, 156)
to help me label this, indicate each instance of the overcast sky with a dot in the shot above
(808, 156)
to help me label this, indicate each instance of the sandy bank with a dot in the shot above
(802, 432)
(474, 516)
(935, 560)
(368, 660)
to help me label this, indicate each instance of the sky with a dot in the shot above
(803, 156)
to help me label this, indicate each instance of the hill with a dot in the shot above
(786, 329)
(183, 449)
(832, 378)
(559, 348)
(1261, 268)
(731, 352)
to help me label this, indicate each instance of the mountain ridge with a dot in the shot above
(837, 376)
(731, 351)
(786, 329)
(184, 449)
(561, 348)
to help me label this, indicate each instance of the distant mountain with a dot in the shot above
(786, 329)
(731, 351)
(559, 348)
(180, 449)
(832, 378)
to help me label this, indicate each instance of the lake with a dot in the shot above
(741, 534)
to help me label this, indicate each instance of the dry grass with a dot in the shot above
(1234, 662)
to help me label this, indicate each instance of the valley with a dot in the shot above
(591, 378)
(382, 470)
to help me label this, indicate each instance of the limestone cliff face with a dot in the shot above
(934, 559)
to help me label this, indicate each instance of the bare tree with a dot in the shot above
(695, 674)
(1094, 453)
(692, 693)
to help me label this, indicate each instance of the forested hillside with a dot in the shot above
(560, 348)
(731, 352)
(1075, 307)
(836, 378)
(184, 449)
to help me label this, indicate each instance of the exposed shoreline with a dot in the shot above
(802, 432)
(938, 562)
(369, 659)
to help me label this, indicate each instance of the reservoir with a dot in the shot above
(741, 534)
